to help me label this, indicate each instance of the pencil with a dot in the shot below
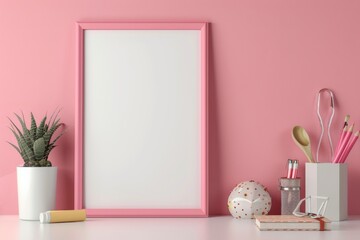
(346, 121)
(343, 133)
(349, 147)
(343, 144)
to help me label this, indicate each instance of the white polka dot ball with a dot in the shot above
(248, 199)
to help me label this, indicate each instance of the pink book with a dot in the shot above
(291, 223)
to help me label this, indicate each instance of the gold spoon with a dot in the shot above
(302, 140)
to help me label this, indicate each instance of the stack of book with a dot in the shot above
(291, 223)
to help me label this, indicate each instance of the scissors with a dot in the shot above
(332, 106)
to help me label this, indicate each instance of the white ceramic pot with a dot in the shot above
(36, 191)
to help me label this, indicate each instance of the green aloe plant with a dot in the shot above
(36, 143)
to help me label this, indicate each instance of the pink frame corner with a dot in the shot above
(78, 188)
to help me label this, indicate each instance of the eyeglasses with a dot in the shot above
(321, 211)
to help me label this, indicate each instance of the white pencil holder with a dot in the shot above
(328, 180)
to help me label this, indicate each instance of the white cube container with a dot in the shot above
(328, 180)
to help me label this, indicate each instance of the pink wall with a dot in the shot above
(267, 61)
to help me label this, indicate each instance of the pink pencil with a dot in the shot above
(343, 133)
(295, 169)
(343, 144)
(349, 147)
(346, 120)
(346, 124)
(290, 168)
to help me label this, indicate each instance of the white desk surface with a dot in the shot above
(219, 228)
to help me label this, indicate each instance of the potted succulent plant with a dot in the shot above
(36, 179)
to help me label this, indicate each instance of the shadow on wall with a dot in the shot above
(64, 156)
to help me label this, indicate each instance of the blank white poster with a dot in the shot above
(142, 122)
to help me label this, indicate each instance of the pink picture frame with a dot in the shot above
(79, 122)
